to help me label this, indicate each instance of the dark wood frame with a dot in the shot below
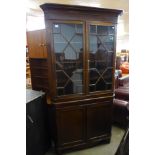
(53, 56)
(85, 57)
(75, 14)
(103, 24)
(96, 107)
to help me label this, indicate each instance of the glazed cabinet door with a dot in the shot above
(68, 52)
(99, 117)
(101, 47)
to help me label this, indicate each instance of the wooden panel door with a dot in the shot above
(99, 120)
(36, 44)
(71, 126)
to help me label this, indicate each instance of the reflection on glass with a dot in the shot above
(111, 30)
(95, 75)
(70, 54)
(78, 28)
(77, 45)
(92, 29)
(108, 75)
(106, 38)
(68, 31)
(68, 48)
(110, 58)
(60, 43)
(101, 47)
(56, 28)
(101, 85)
(102, 30)
(93, 44)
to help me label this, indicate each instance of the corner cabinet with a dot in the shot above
(81, 45)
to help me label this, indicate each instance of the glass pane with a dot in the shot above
(92, 29)
(101, 48)
(77, 80)
(68, 88)
(79, 28)
(59, 43)
(105, 39)
(93, 44)
(102, 30)
(68, 31)
(100, 85)
(68, 48)
(95, 76)
(56, 28)
(100, 66)
(76, 43)
(108, 75)
(109, 46)
(110, 58)
(111, 30)
(61, 82)
(70, 54)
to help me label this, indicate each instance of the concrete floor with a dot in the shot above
(105, 149)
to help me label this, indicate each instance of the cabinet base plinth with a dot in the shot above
(62, 150)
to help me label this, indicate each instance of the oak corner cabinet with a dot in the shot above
(81, 45)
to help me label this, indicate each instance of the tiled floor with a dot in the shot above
(105, 149)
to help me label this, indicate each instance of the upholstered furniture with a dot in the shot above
(120, 112)
(122, 88)
(125, 67)
(122, 62)
(121, 100)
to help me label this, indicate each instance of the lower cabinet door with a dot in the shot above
(71, 126)
(99, 118)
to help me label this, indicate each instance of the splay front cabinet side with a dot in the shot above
(81, 45)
